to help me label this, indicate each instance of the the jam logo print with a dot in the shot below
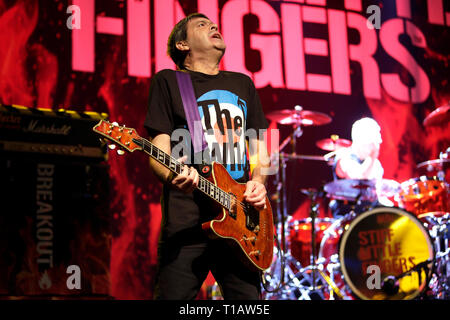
(223, 116)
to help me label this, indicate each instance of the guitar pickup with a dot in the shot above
(252, 219)
(233, 206)
(232, 213)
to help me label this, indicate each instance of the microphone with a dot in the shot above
(390, 285)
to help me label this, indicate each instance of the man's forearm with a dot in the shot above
(261, 159)
(162, 142)
(162, 173)
(257, 174)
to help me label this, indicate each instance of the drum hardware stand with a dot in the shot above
(288, 275)
(334, 262)
(332, 285)
(313, 214)
(314, 267)
(291, 282)
(441, 288)
(440, 283)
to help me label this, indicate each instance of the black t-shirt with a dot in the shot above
(228, 96)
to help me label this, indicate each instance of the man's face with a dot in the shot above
(203, 36)
(371, 146)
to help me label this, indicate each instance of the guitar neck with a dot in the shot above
(204, 185)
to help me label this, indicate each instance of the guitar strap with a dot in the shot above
(191, 110)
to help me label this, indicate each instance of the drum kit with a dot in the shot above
(392, 243)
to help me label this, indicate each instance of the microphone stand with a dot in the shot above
(417, 268)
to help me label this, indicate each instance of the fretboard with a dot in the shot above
(204, 185)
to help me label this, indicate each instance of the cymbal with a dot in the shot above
(436, 164)
(299, 117)
(438, 117)
(333, 143)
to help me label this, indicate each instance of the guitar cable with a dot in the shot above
(282, 259)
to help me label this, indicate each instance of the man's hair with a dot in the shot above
(179, 33)
(366, 130)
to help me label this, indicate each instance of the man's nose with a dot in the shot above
(213, 27)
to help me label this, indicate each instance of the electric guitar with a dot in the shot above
(248, 230)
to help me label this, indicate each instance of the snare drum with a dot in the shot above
(423, 195)
(360, 251)
(300, 238)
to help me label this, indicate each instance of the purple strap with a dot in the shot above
(191, 110)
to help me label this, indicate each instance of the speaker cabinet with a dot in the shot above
(55, 233)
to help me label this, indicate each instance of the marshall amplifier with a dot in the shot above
(45, 131)
(54, 195)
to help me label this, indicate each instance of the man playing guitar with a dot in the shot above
(226, 100)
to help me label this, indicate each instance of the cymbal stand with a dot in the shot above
(282, 214)
(316, 275)
(440, 232)
(291, 287)
(282, 271)
(313, 214)
(297, 133)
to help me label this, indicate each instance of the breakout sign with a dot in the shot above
(281, 42)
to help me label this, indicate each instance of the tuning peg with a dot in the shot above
(115, 124)
(120, 152)
(112, 146)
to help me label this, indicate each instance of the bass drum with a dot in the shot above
(360, 251)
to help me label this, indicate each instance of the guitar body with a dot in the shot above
(248, 228)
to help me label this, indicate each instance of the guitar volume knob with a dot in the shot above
(254, 253)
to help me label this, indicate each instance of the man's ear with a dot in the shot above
(182, 45)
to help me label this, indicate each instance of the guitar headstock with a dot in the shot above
(120, 135)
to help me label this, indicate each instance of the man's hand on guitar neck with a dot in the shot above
(187, 181)
(255, 194)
